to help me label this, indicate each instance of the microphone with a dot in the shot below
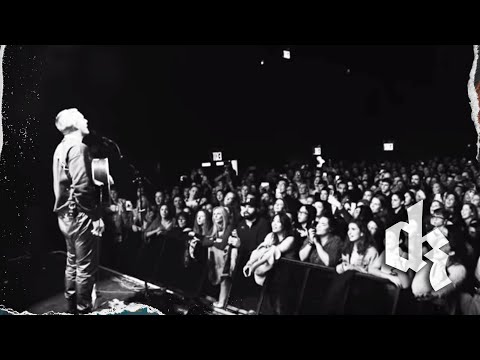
(108, 141)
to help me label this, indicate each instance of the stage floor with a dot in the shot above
(36, 286)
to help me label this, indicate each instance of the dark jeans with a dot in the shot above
(82, 259)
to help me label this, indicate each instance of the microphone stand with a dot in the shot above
(139, 181)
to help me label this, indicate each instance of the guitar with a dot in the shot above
(102, 179)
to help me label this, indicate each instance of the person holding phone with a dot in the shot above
(322, 246)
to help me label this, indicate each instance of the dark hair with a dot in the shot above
(365, 214)
(379, 237)
(388, 180)
(458, 204)
(442, 213)
(327, 209)
(171, 213)
(286, 223)
(285, 205)
(332, 223)
(363, 244)
(473, 209)
(400, 196)
(411, 193)
(381, 198)
(185, 216)
(312, 214)
(207, 226)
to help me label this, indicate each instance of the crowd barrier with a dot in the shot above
(303, 288)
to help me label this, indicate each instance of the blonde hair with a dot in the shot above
(215, 229)
(66, 120)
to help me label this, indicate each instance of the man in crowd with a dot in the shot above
(251, 231)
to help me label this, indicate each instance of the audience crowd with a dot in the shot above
(334, 216)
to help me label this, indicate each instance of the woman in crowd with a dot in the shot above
(233, 207)
(193, 200)
(362, 212)
(359, 251)
(178, 204)
(219, 197)
(469, 213)
(378, 207)
(281, 242)
(142, 216)
(409, 198)
(305, 222)
(452, 205)
(379, 267)
(321, 246)
(155, 238)
(377, 232)
(317, 186)
(279, 207)
(292, 191)
(201, 228)
(468, 196)
(324, 195)
(398, 212)
(470, 219)
(243, 194)
(176, 256)
(161, 224)
(221, 253)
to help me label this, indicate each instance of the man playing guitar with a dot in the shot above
(78, 209)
